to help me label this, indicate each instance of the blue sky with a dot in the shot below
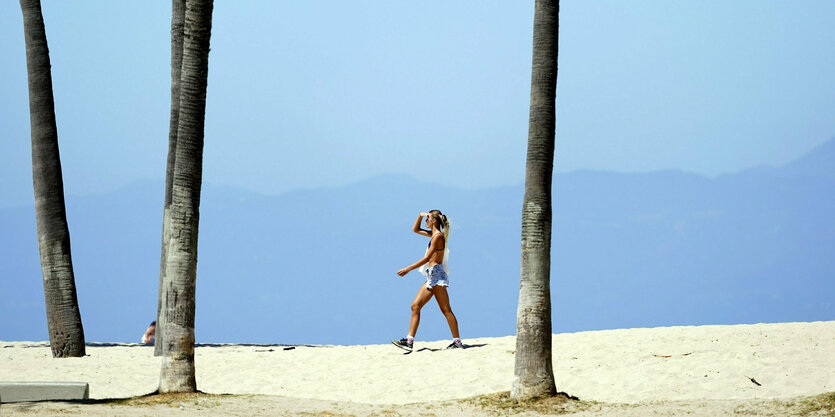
(309, 94)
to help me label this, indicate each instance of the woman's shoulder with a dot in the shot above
(439, 238)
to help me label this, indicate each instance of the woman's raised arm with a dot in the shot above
(416, 228)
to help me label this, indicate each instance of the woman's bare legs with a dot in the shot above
(423, 296)
(442, 297)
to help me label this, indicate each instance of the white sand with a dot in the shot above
(616, 366)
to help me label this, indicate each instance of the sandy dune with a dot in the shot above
(632, 366)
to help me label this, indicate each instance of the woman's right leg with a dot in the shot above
(423, 296)
(442, 297)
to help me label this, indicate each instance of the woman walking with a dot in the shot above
(434, 266)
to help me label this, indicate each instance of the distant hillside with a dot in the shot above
(817, 163)
(318, 266)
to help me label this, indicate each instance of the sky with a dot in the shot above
(323, 93)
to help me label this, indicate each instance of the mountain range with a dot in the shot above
(318, 265)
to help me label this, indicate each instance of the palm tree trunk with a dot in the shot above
(533, 370)
(177, 372)
(66, 334)
(178, 11)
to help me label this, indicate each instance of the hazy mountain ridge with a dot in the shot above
(318, 265)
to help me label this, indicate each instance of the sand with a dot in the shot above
(702, 370)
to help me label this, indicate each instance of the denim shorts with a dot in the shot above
(437, 276)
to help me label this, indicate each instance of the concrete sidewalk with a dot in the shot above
(11, 392)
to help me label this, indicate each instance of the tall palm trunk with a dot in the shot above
(66, 334)
(177, 372)
(533, 370)
(63, 318)
(178, 11)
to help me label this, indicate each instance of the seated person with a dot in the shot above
(150, 334)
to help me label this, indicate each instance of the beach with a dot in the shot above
(701, 370)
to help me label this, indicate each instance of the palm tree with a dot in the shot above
(533, 370)
(63, 318)
(177, 20)
(180, 277)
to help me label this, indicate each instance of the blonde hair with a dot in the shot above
(443, 222)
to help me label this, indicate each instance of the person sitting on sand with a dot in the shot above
(150, 334)
(434, 266)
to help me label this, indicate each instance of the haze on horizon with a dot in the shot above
(323, 93)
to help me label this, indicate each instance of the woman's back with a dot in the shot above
(437, 255)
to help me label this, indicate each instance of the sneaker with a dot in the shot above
(404, 344)
(454, 345)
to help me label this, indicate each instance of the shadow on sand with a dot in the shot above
(147, 399)
(443, 349)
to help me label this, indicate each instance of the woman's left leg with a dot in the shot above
(442, 297)
(423, 296)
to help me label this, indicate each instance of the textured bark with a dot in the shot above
(178, 11)
(177, 371)
(533, 370)
(66, 334)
